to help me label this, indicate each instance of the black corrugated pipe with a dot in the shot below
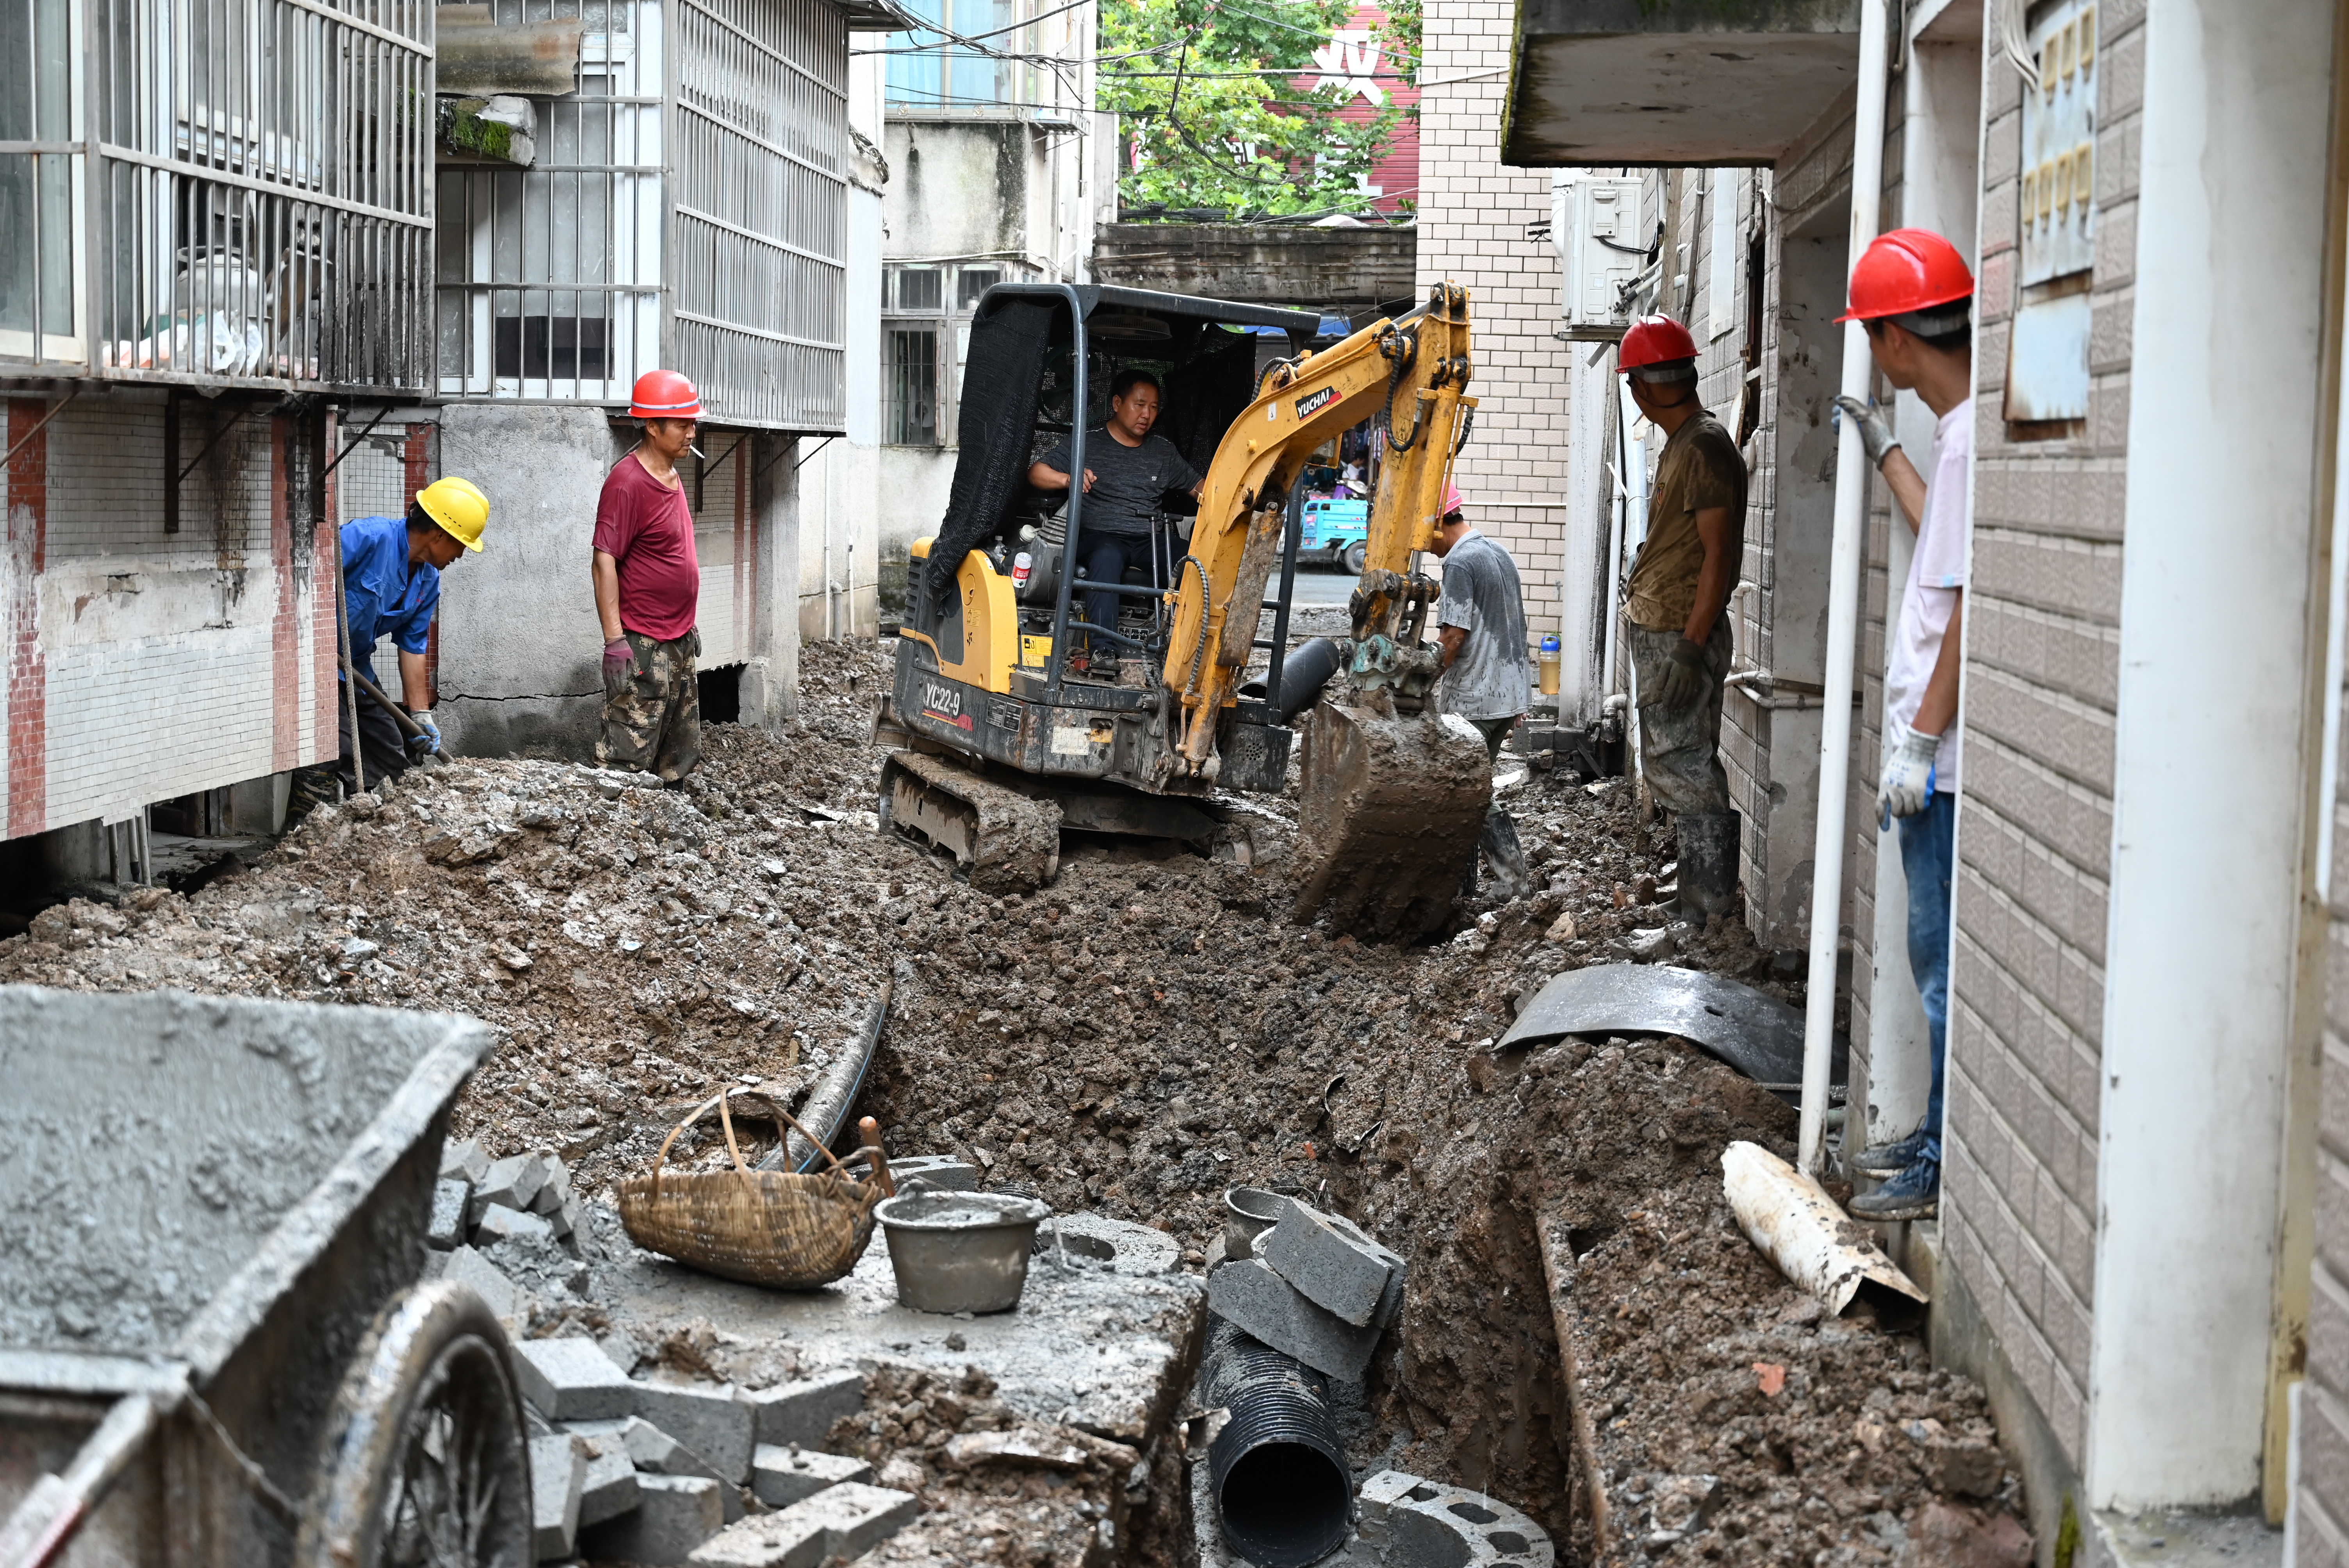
(1308, 669)
(1281, 1485)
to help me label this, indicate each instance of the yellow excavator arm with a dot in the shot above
(1416, 369)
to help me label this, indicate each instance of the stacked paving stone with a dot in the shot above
(646, 1471)
(1314, 1286)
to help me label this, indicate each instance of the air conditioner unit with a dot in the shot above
(1595, 225)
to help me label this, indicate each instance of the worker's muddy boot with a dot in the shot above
(1512, 878)
(1708, 851)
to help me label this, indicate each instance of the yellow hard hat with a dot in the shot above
(458, 507)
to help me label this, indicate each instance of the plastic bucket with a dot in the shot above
(960, 1252)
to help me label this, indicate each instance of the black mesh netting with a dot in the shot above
(998, 411)
(1205, 393)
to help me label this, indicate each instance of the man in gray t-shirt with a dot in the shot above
(1486, 677)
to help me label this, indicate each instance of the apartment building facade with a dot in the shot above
(272, 265)
(2139, 1249)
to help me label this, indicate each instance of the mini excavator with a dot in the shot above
(1002, 739)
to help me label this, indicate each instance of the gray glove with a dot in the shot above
(1682, 681)
(1875, 433)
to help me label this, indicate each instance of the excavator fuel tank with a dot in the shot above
(1390, 812)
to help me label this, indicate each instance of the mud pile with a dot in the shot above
(1147, 1031)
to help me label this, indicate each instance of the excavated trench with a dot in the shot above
(1134, 1039)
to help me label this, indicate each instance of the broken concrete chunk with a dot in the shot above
(573, 1381)
(783, 1476)
(447, 1228)
(1679, 1505)
(1647, 946)
(1027, 1448)
(673, 1515)
(555, 1192)
(654, 1452)
(468, 1267)
(856, 1517)
(713, 1422)
(1330, 1261)
(803, 1411)
(558, 1472)
(500, 1224)
(513, 1182)
(943, 1172)
(464, 1159)
(609, 1488)
(1250, 1295)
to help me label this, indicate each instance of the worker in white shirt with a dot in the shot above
(1914, 294)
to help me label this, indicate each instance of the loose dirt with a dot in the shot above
(1147, 1031)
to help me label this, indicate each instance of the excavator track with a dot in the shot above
(1391, 811)
(1009, 841)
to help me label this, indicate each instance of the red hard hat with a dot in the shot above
(664, 394)
(1904, 271)
(1653, 340)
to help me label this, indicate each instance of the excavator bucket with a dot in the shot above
(1392, 809)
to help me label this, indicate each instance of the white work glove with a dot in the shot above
(1907, 781)
(1875, 437)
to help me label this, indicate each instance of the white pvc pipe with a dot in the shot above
(1843, 612)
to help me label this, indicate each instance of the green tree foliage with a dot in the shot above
(1205, 96)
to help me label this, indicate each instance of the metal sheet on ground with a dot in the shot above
(1752, 1031)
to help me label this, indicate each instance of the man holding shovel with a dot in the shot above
(391, 586)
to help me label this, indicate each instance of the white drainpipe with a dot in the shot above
(1843, 610)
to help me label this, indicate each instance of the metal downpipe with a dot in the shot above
(1843, 611)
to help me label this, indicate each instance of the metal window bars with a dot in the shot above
(721, 253)
(256, 210)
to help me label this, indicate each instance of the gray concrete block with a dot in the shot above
(573, 1381)
(803, 1411)
(608, 1490)
(783, 1476)
(1330, 1261)
(447, 1227)
(856, 1517)
(500, 1223)
(468, 1267)
(769, 1540)
(513, 1182)
(558, 1475)
(713, 1422)
(1259, 1302)
(654, 1452)
(673, 1515)
(555, 1191)
(464, 1159)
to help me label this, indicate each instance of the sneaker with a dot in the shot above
(1912, 1195)
(1888, 1159)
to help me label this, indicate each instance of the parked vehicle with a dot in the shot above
(1337, 528)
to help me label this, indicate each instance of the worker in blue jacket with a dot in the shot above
(391, 586)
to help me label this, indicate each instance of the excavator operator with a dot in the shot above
(1127, 471)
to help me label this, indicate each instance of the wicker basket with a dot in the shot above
(765, 1227)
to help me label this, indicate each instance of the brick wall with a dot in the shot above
(2034, 836)
(158, 664)
(2323, 1501)
(1472, 214)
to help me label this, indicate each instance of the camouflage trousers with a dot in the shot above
(652, 709)
(1680, 748)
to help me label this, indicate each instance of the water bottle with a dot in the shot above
(1549, 662)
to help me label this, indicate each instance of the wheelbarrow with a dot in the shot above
(213, 1346)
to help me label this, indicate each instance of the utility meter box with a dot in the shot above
(1595, 224)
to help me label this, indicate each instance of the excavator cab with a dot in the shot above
(1005, 738)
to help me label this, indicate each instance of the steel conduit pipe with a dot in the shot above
(1278, 1472)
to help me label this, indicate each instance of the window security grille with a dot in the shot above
(912, 369)
(254, 208)
(551, 278)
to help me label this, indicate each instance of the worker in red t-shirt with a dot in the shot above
(648, 590)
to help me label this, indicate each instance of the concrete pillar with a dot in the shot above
(1589, 510)
(771, 682)
(2211, 747)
